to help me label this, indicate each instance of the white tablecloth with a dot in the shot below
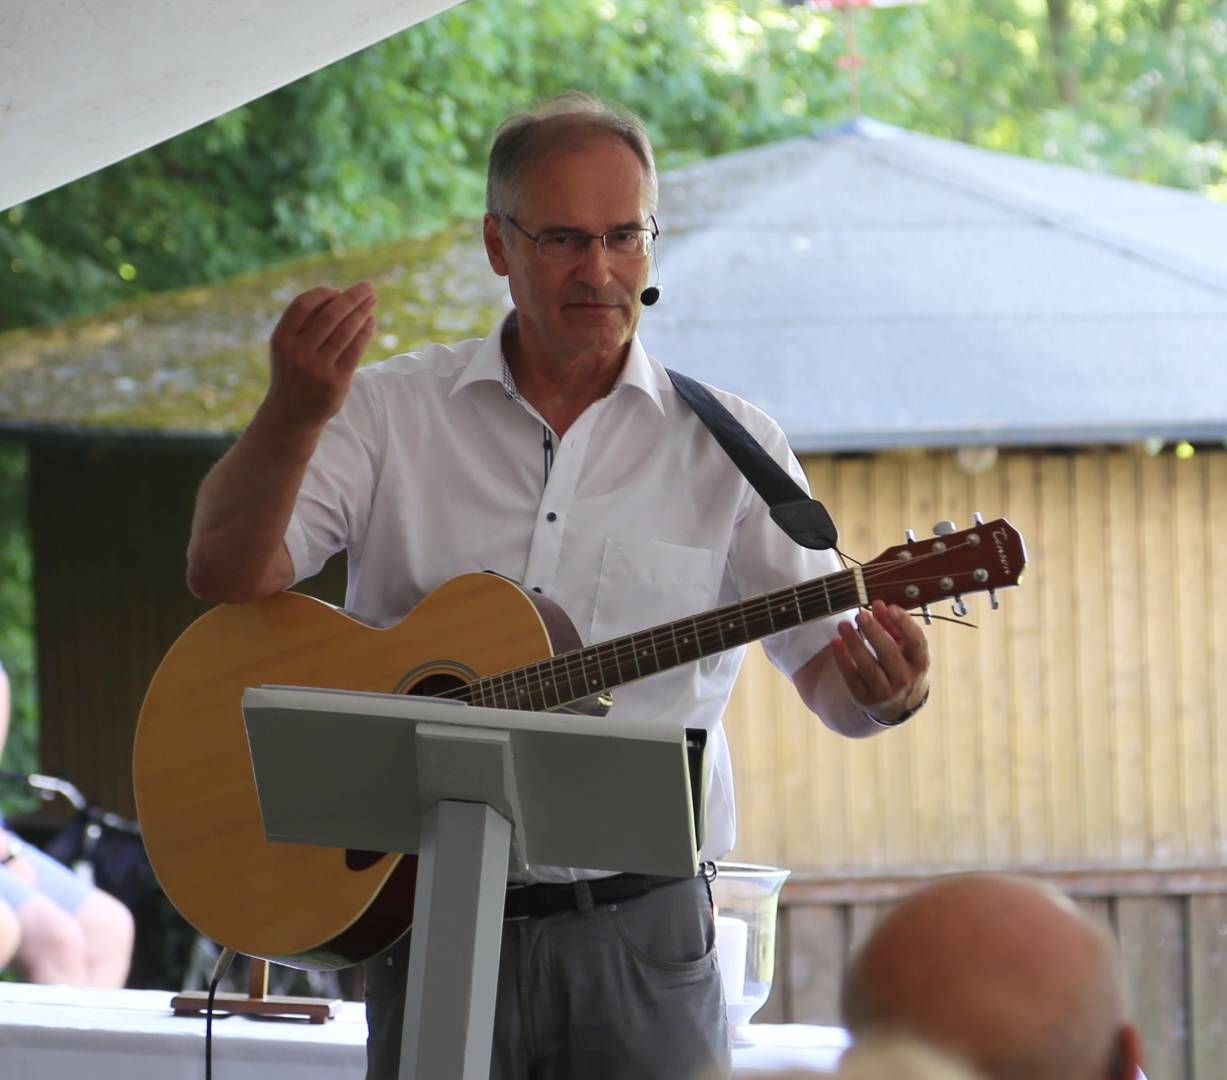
(57, 1033)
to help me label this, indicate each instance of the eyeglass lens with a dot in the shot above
(619, 243)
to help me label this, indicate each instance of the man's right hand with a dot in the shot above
(244, 505)
(314, 352)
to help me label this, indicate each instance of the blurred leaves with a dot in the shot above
(391, 142)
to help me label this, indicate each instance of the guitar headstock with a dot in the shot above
(948, 565)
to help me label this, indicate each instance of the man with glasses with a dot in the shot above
(556, 452)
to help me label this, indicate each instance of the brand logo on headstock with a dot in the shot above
(1000, 536)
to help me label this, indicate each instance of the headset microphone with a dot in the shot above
(651, 294)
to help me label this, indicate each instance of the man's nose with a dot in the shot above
(594, 266)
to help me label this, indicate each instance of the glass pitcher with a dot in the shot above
(746, 898)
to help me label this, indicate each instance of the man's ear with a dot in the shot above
(1126, 1054)
(492, 233)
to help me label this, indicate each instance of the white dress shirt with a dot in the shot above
(435, 467)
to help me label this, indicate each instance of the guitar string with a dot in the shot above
(614, 661)
(843, 594)
(573, 666)
(663, 638)
(708, 628)
(622, 656)
(674, 644)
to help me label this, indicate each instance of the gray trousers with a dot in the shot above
(621, 990)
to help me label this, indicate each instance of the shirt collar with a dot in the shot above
(640, 373)
(488, 365)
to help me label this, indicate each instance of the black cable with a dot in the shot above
(219, 972)
(209, 1030)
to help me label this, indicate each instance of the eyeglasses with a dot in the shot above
(561, 245)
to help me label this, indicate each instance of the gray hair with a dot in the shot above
(554, 125)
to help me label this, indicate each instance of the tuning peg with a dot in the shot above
(994, 603)
(977, 518)
(928, 616)
(943, 528)
(959, 607)
(910, 534)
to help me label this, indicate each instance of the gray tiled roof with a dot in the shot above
(871, 287)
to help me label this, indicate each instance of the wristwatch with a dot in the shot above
(907, 714)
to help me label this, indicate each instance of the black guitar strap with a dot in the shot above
(804, 519)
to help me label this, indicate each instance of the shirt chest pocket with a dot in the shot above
(646, 582)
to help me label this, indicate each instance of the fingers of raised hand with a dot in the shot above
(314, 350)
(301, 308)
(358, 341)
(333, 326)
(320, 324)
(357, 322)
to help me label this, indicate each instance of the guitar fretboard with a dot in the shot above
(572, 676)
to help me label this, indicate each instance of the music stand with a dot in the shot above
(474, 791)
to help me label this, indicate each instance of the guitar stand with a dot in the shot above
(256, 1002)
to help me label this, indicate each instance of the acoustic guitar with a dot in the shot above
(479, 637)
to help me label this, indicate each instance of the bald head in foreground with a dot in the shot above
(1004, 973)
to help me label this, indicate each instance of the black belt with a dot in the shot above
(534, 901)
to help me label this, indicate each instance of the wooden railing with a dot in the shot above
(1171, 926)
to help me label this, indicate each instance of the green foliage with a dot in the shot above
(16, 616)
(1150, 80)
(197, 359)
(390, 142)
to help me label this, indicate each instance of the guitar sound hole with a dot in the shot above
(361, 860)
(436, 685)
(430, 686)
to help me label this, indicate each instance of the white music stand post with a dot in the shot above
(473, 791)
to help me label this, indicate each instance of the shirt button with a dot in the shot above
(551, 516)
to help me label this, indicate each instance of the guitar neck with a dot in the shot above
(579, 674)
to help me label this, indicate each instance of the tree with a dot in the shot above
(390, 142)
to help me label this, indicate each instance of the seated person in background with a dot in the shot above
(1004, 973)
(10, 935)
(61, 929)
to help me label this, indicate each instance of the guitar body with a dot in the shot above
(298, 904)
(310, 906)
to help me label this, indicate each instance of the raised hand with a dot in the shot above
(314, 351)
(244, 505)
